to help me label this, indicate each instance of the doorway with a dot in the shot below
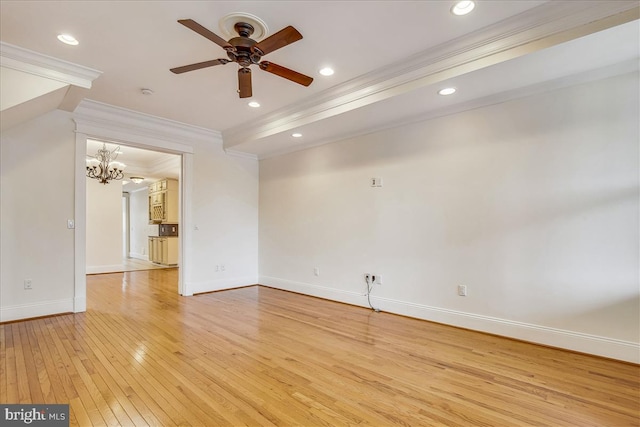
(104, 122)
(119, 227)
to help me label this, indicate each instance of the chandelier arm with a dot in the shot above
(107, 168)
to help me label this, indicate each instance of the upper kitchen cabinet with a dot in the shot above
(163, 202)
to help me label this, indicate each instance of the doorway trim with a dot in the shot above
(95, 120)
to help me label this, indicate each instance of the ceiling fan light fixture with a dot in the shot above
(447, 91)
(254, 104)
(68, 39)
(326, 71)
(463, 7)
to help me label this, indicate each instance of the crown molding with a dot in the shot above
(497, 98)
(544, 26)
(241, 154)
(171, 164)
(96, 118)
(35, 63)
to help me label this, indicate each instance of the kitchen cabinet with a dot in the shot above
(163, 250)
(163, 201)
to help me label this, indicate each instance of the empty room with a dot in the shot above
(320, 213)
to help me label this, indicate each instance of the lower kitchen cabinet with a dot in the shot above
(163, 250)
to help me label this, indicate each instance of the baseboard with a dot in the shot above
(220, 284)
(28, 311)
(100, 269)
(138, 256)
(79, 304)
(569, 340)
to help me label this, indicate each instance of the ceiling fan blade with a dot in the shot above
(193, 25)
(281, 71)
(280, 39)
(199, 65)
(244, 83)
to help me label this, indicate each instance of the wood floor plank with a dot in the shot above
(96, 408)
(24, 392)
(3, 366)
(143, 355)
(43, 384)
(161, 380)
(138, 383)
(76, 407)
(110, 382)
(53, 374)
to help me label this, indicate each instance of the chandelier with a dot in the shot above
(103, 166)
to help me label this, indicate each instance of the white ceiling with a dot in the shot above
(370, 44)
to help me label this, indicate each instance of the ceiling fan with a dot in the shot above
(246, 51)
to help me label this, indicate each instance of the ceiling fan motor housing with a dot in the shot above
(243, 53)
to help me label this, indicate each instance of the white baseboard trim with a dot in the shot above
(28, 311)
(138, 256)
(221, 284)
(79, 304)
(569, 340)
(99, 269)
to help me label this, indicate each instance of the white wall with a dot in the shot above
(104, 226)
(219, 218)
(35, 243)
(533, 204)
(225, 220)
(139, 227)
(36, 199)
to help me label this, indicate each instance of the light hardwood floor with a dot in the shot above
(133, 264)
(142, 355)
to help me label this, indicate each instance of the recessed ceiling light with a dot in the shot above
(447, 91)
(254, 104)
(296, 135)
(463, 7)
(326, 71)
(68, 39)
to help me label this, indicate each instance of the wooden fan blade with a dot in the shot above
(288, 74)
(244, 83)
(280, 39)
(199, 65)
(193, 25)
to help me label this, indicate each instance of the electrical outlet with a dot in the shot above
(217, 268)
(373, 279)
(316, 271)
(28, 284)
(462, 290)
(71, 224)
(222, 268)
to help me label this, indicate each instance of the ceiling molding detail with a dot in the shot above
(102, 120)
(497, 98)
(31, 62)
(169, 164)
(547, 25)
(241, 154)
